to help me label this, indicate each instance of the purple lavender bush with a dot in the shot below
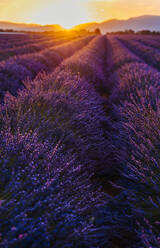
(134, 115)
(79, 151)
(149, 54)
(60, 103)
(30, 48)
(47, 196)
(139, 108)
(28, 66)
(46, 199)
(90, 61)
(120, 54)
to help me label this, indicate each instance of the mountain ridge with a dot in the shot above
(29, 27)
(150, 22)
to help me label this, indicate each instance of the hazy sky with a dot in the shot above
(71, 12)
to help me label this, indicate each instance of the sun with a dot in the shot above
(64, 12)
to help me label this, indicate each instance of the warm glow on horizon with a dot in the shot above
(72, 12)
(64, 12)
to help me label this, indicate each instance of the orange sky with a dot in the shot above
(72, 12)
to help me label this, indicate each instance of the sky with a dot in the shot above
(72, 12)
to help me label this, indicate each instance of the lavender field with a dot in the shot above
(80, 141)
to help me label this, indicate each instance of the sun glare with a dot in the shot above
(64, 12)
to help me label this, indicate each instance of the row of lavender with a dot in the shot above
(56, 137)
(8, 41)
(52, 142)
(13, 41)
(29, 48)
(136, 99)
(148, 53)
(17, 69)
(33, 45)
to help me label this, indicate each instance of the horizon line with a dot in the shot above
(56, 24)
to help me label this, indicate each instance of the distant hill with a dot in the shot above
(29, 27)
(136, 23)
(149, 22)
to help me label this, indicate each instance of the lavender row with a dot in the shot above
(54, 137)
(94, 61)
(90, 61)
(6, 53)
(147, 53)
(70, 48)
(11, 41)
(31, 48)
(47, 200)
(15, 70)
(137, 101)
(148, 41)
(51, 134)
(53, 142)
(15, 41)
(120, 55)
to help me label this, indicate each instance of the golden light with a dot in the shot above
(64, 12)
(72, 12)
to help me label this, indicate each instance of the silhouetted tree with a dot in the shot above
(97, 31)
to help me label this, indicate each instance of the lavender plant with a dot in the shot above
(90, 61)
(93, 121)
(30, 48)
(120, 54)
(139, 108)
(28, 66)
(147, 53)
(46, 199)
